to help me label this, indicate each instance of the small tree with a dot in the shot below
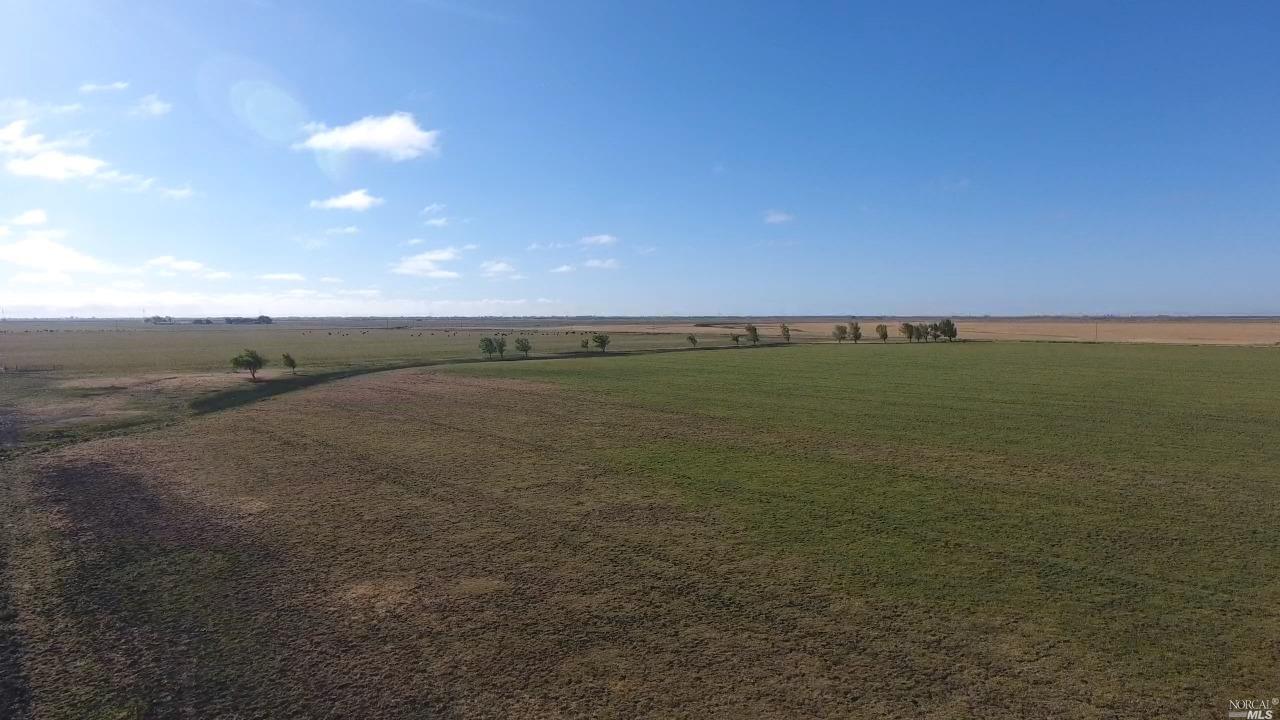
(855, 331)
(922, 332)
(882, 332)
(753, 334)
(290, 363)
(840, 332)
(488, 347)
(786, 332)
(500, 344)
(736, 338)
(249, 360)
(523, 345)
(585, 343)
(948, 328)
(600, 340)
(935, 331)
(692, 339)
(908, 331)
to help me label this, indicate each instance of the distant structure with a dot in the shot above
(260, 320)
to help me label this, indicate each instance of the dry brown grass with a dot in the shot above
(444, 546)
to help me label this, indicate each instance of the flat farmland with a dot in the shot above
(941, 530)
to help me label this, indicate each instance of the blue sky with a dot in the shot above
(440, 157)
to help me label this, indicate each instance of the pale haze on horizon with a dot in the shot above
(431, 157)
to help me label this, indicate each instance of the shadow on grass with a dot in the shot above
(254, 391)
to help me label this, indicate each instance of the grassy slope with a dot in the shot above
(1117, 499)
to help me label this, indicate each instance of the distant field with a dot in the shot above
(951, 531)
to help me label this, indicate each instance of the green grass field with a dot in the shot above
(944, 530)
(1118, 498)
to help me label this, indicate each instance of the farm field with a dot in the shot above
(942, 530)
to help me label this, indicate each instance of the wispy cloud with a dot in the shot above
(117, 86)
(32, 155)
(331, 280)
(348, 230)
(357, 200)
(283, 277)
(777, 217)
(427, 264)
(433, 209)
(31, 217)
(562, 269)
(152, 106)
(395, 136)
(599, 240)
(547, 246)
(605, 264)
(500, 268)
(169, 262)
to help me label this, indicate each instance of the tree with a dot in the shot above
(753, 334)
(948, 328)
(922, 332)
(523, 345)
(882, 331)
(692, 339)
(840, 332)
(855, 331)
(488, 347)
(586, 343)
(786, 332)
(908, 331)
(600, 340)
(935, 331)
(249, 360)
(736, 338)
(290, 363)
(500, 344)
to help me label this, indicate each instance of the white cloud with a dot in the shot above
(437, 222)
(56, 165)
(357, 200)
(36, 157)
(547, 246)
(282, 277)
(368, 292)
(606, 264)
(494, 268)
(151, 105)
(433, 209)
(4, 231)
(104, 87)
(181, 193)
(22, 108)
(217, 275)
(427, 264)
(414, 241)
(599, 240)
(395, 136)
(348, 230)
(39, 251)
(169, 262)
(777, 217)
(562, 269)
(330, 280)
(31, 217)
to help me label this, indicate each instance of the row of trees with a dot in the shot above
(945, 328)
(497, 345)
